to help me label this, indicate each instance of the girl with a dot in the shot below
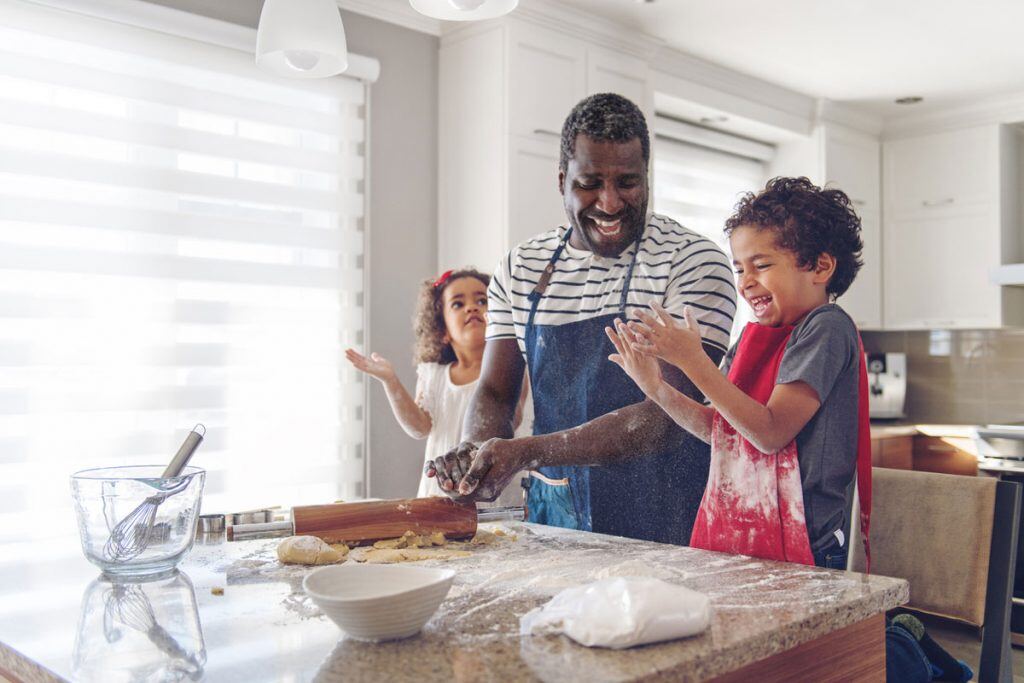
(450, 322)
(787, 420)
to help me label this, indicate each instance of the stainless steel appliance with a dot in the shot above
(887, 384)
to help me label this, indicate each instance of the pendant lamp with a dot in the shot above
(301, 39)
(463, 10)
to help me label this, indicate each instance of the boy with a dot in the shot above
(787, 420)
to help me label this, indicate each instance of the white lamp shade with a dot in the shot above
(301, 39)
(463, 10)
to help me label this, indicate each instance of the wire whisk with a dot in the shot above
(131, 536)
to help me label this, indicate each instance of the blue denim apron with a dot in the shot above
(652, 497)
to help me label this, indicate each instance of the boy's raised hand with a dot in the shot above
(677, 343)
(641, 367)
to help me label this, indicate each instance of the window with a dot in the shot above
(699, 175)
(181, 242)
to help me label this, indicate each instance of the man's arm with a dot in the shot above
(618, 436)
(491, 411)
(490, 414)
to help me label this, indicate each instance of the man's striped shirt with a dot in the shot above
(675, 267)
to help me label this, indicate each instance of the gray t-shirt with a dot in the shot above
(824, 352)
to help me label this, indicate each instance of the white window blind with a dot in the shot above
(699, 184)
(181, 241)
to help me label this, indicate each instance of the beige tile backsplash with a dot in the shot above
(959, 377)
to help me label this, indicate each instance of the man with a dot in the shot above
(602, 457)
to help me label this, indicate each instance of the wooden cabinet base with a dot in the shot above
(854, 653)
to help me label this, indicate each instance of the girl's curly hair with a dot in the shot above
(808, 221)
(428, 322)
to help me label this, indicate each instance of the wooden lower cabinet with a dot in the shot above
(894, 452)
(945, 455)
(854, 653)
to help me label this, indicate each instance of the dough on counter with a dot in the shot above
(393, 555)
(485, 537)
(410, 539)
(309, 550)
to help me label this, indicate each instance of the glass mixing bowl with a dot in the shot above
(133, 522)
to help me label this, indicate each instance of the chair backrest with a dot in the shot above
(935, 530)
(955, 539)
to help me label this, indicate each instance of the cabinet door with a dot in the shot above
(852, 164)
(609, 71)
(936, 270)
(548, 77)
(863, 300)
(950, 169)
(535, 205)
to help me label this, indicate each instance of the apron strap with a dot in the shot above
(545, 277)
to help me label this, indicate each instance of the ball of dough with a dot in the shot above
(309, 550)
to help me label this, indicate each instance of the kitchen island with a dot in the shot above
(233, 613)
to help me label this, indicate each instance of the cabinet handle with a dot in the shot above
(937, 202)
(545, 131)
(859, 202)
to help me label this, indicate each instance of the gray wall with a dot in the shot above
(403, 211)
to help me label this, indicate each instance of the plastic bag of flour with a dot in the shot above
(621, 612)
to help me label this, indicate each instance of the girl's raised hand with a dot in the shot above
(641, 367)
(662, 336)
(375, 365)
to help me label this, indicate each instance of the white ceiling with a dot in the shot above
(864, 51)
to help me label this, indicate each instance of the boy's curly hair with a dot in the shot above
(428, 322)
(808, 221)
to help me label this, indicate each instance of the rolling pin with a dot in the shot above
(362, 523)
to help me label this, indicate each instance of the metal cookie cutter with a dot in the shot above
(211, 524)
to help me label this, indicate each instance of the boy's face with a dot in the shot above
(769, 279)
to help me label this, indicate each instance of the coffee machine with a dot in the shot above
(887, 384)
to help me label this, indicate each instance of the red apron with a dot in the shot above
(753, 504)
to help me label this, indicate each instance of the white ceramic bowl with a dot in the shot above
(378, 602)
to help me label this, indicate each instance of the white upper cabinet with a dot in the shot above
(547, 77)
(951, 216)
(956, 168)
(534, 186)
(609, 71)
(852, 164)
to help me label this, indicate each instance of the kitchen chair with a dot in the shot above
(954, 538)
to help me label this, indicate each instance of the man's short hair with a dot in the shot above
(604, 116)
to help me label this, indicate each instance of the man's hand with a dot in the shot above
(450, 467)
(675, 343)
(641, 367)
(496, 462)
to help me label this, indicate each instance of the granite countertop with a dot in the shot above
(56, 618)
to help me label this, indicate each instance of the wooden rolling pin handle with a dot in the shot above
(375, 520)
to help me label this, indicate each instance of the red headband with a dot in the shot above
(443, 279)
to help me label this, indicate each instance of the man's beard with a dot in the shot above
(631, 226)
